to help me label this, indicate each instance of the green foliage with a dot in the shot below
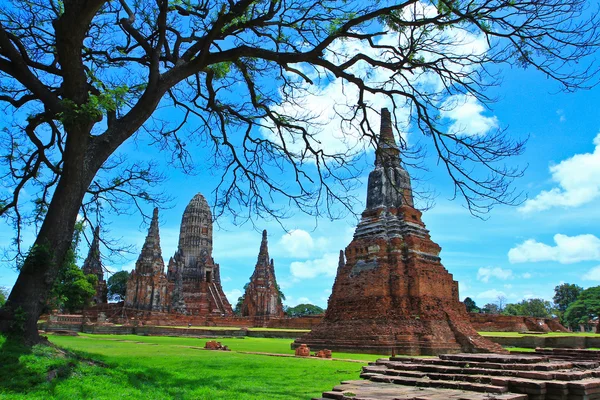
(491, 308)
(220, 70)
(566, 294)
(73, 290)
(538, 308)
(281, 295)
(302, 310)
(471, 306)
(117, 285)
(237, 310)
(3, 295)
(584, 309)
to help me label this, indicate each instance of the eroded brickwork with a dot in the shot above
(147, 285)
(262, 296)
(93, 266)
(391, 290)
(194, 277)
(192, 285)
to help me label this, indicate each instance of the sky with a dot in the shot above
(518, 252)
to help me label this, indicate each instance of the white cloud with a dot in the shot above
(467, 114)
(592, 275)
(526, 275)
(325, 100)
(233, 295)
(578, 180)
(568, 250)
(509, 286)
(491, 294)
(297, 243)
(326, 265)
(484, 274)
(561, 115)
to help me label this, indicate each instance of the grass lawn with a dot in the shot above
(147, 367)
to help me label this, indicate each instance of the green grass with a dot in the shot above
(147, 367)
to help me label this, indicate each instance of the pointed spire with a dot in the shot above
(153, 238)
(387, 152)
(342, 260)
(92, 263)
(263, 255)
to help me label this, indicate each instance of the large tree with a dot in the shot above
(117, 285)
(585, 309)
(538, 308)
(80, 77)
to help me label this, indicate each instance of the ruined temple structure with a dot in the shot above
(391, 292)
(147, 286)
(262, 295)
(93, 266)
(192, 285)
(194, 278)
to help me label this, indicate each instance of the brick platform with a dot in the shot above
(474, 376)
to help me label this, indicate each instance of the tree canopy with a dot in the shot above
(471, 306)
(565, 294)
(117, 285)
(79, 78)
(584, 309)
(538, 308)
(303, 310)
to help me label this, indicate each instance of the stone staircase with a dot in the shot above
(474, 377)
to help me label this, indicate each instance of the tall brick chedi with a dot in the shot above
(391, 290)
(93, 266)
(262, 295)
(147, 285)
(194, 278)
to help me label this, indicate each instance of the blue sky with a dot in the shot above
(517, 252)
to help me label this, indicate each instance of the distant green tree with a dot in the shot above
(564, 295)
(3, 295)
(72, 289)
(491, 308)
(237, 310)
(302, 310)
(117, 285)
(584, 309)
(538, 308)
(471, 306)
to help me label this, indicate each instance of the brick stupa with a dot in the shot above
(93, 266)
(262, 296)
(147, 284)
(194, 277)
(391, 292)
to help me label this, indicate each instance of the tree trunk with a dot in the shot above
(28, 297)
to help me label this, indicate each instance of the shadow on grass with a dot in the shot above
(24, 368)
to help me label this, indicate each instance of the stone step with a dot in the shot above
(540, 366)
(495, 358)
(432, 383)
(367, 390)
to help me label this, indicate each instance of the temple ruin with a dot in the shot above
(147, 286)
(93, 266)
(391, 292)
(262, 297)
(192, 285)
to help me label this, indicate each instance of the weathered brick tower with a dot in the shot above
(391, 291)
(194, 278)
(147, 284)
(93, 266)
(262, 296)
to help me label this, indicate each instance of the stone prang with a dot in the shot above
(391, 292)
(147, 285)
(262, 295)
(93, 266)
(194, 278)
